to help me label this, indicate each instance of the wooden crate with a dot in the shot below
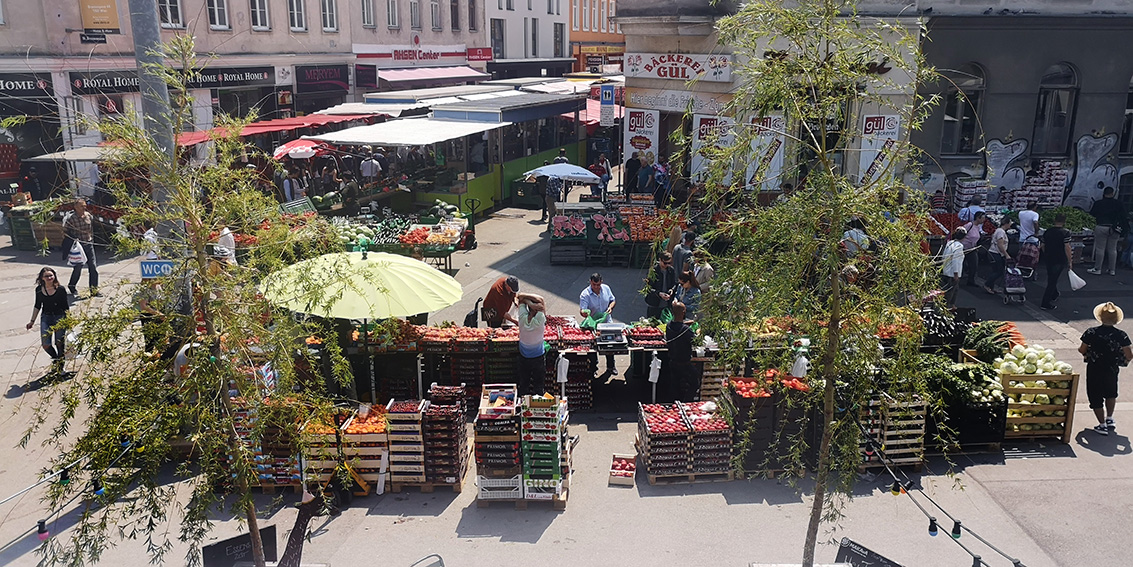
(898, 426)
(713, 380)
(1014, 430)
(623, 480)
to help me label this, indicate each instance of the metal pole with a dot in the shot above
(155, 94)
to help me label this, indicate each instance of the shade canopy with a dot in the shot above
(407, 132)
(88, 153)
(298, 149)
(567, 171)
(457, 73)
(357, 285)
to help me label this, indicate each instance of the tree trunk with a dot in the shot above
(293, 554)
(822, 475)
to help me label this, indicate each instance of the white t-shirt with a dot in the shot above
(953, 255)
(998, 237)
(531, 332)
(1028, 224)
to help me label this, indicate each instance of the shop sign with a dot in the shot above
(879, 138)
(679, 66)
(24, 85)
(677, 101)
(768, 138)
(92, 38)
(366, 76)
(709, 130)
(99, 17)
(479, 54)
(322, 78)
(602, 49)
(102, 82)
(415, 53)
(229, 552)
(857, 555)
(642, 134)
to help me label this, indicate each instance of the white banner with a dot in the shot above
(706, 129)
(679, 66)
(642, 134)
(767, 150)
(879, 136)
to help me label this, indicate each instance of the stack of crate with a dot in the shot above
(365, 443)
(580, 374)
(897, 428)
(446, 444)
(498, 461)
(406, 441)
(469, 370)
(711, 439)
(663, 437)
(713, 379)
(543, 431)
(275, 463)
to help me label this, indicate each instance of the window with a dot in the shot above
(472, 15)
(550, 6)
(605, 20)
(415, 14)
(574, 15)
(368, 14)
(529, 5)
(558, 7)
(391, 14)
(614, 12)
(170, 13)
(297, 15)
(330, 15)
(454, 14)
(960, 133)
(435, 13)
(510, 4)
(526, 38)
(610, 14)
(1054, 114)
(258, 11)
(1, 12)
(534, 37)
(560, 33)
(218, 14)
(497, 34)
(585, 15)
(593, 15)
(1126, 146)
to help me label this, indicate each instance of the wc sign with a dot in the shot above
(156, 269)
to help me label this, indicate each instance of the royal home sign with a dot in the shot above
(679, 66)
(23, 85)
(104, 82)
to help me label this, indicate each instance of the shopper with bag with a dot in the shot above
(51, 301)
(1105, 349)
(1056, 252)
(1112, 224)
(973, 232)
(78, 230)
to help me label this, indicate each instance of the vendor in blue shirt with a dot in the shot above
(595, 300)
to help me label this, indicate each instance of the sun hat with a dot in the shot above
(1108, 314)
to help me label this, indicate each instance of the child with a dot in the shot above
(1105, 349)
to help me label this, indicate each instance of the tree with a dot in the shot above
(217, 405)
(819, 68)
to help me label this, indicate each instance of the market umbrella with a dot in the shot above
(361, 285)
(298, 149)
(565, 171)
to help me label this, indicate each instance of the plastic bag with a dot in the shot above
(666, 315)
(1076, 282)
(562, 366)
(591, 322)
(77, 256)
(654, 368)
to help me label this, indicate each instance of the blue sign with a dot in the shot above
(156, 269)
(607, 97)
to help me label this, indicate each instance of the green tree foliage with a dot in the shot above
(820, 66)
(130, 417)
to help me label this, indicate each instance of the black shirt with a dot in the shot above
(1108, 212)
(1103, 347)
(679, 337)
(54, 304)
(1054, 246)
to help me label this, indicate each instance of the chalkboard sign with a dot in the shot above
(231, 551)
(857, 555)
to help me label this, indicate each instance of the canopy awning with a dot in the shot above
(457, 73)
(591, 117)
(407, 132)
(371, 109)
(268, 126)
(87, 153)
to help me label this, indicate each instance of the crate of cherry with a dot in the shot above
(646, 337)
(663, 434)
(711, 439)
(446, 444)
(449, 396)
(406, 440)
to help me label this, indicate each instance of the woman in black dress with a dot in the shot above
(51, 299)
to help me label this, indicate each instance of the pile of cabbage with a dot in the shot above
(1034, 360)
(1032, 363)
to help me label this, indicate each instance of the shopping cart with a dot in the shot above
(1014, 286)
(1028, 257)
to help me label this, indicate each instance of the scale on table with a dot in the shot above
(612, 338)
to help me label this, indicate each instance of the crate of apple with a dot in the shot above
(667, 423)
(707, 422)
(622, 469)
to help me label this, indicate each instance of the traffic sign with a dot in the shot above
(606, 116)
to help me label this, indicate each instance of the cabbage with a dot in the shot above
(1039, 384)
(1042, 399)
(1010, 368)
(1058, 400)
(1032, 358)
(1018, 351)
(1030, 368)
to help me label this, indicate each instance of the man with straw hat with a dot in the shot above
(1105, 349)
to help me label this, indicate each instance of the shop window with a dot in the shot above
(1054, 113)
(391, 14)
(961, 132)
(472, 25)
(415, 14)
(1126, 146)
(330, 15)
(169, 11)
(560, 33)
(297, 15)
(497, 31)
(534, 37)
(368, 14)
(218, 14)
(574, 15)
(258, 10)
(435, 14)
(454, 14)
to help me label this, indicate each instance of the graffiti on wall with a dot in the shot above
(1049, 181)
(1093, 172)
(1000, 174)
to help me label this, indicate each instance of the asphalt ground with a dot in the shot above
(1046, 503)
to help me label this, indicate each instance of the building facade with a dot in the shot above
(596, 40)
(529, 38)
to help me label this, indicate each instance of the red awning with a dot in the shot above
(591, 116)
(275, 125)
(458, 73)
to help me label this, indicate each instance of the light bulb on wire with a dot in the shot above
(64, 477)
(895, 490)
(41, 530)
(98, 488)
(933, 529)
(956, 530)
(976, 561)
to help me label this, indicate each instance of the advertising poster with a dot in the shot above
(709, 130)
(642, 134)
(767, 151)
(879, 136)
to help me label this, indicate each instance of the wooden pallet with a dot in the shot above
(282, 488)
(558, 501)
(692, 478)
(966, 449)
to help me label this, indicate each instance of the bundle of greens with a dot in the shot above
(988, 339)
(961, 384)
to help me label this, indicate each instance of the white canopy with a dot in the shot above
(87, 153)
(407, 132)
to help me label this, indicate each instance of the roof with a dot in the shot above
(460, 72)
(419, 95)
(266, 126)
(523, 81)
(407, 132)
(86, 153)
(519, 108)
(369, 109)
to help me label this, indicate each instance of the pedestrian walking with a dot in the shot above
(370, 169)
(554, 192)
(682, 374)
(973, 233)
(1112, 224)
(629, 173)
(953, 266)
(1056, 252)
(682, 252)
(532, 324)
(703, 270)
(594, 301)
(662, 280)
(1029, 222)
(499, 300)
(601, 171)
(967, 214)
(644, 175)
(1105, 349)
(998, 254)
(562, 157)
(79, 227)
(51, 307)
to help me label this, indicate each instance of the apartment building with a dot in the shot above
(596, 40)
(529, 38)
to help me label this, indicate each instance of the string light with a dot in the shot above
(896, 489)
(956, 530)
(41, 530)
(976, 561)
(98, 488)
(64, 477)
(933, 529)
